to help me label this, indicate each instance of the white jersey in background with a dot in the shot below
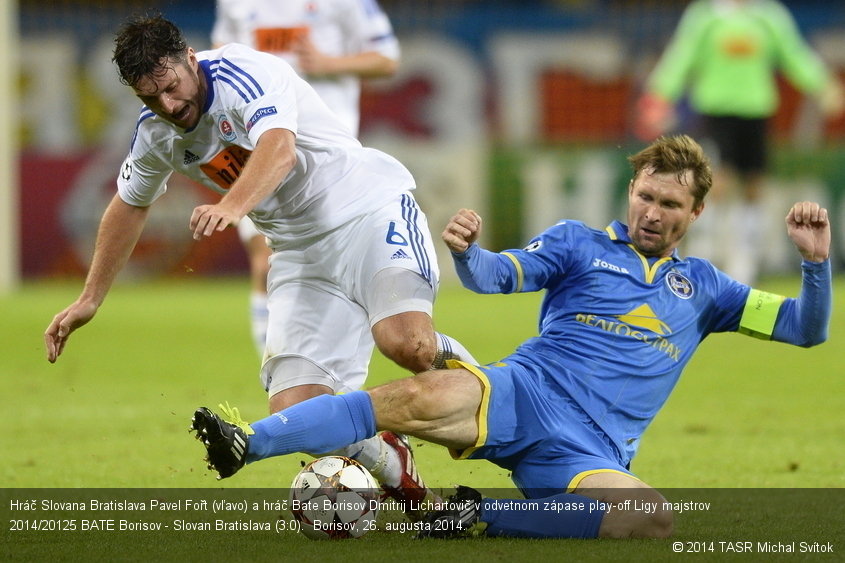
(335, 27)
(334, 179)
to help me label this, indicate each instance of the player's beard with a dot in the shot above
(656, 243)
(189, 115)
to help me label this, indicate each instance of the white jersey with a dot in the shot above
(336, 27)
(249, 92)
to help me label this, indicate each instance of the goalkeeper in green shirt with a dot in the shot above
(725, 55)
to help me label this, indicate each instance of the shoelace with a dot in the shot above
(233, 416)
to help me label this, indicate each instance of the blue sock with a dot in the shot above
(321, 424)
(567, 516)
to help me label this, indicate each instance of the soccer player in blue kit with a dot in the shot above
(622, 316)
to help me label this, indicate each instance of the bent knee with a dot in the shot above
(414, 351)
(638, 524)
(413, 402)
(660, 525)
(416, 400)
(400, 405)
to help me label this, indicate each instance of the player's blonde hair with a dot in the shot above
(676, 154)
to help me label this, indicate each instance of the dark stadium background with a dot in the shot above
(452, 115)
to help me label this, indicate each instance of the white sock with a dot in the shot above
(448, 349)
(701, 238)
(380, 459)
(752, 218)
(258, 315)
(743, 263)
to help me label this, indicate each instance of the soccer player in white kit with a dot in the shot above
(330, 43)
(353, 260)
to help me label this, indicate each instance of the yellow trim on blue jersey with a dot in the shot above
(649, 271)
(575, 481)
(520, 275)
(760, 314)
(483, 408)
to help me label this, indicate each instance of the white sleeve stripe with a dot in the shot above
(238, 70)
(144, 115)
(371, 7)
(246, 97)
(237, 83)
(382, 37)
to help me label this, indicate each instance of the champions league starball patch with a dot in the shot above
(534, 246)
(126, 169)
(679, 285)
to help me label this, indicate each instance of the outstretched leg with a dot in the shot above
(438, 406)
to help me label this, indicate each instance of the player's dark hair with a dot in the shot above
(145, 46)
(677, 155)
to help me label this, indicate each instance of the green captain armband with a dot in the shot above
(760, 313)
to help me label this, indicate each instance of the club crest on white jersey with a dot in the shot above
(225, 129)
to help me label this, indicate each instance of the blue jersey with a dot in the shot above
(617, 328)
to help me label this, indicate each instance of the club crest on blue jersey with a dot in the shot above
(225, 129)
(679, 285)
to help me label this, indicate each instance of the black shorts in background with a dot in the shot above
(741, 142)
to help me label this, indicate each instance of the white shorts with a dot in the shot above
(322, 301)
(247, 230)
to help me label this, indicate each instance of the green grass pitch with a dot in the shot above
(749, 422)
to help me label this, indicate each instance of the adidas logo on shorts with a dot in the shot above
(400, 255)
(189, 157)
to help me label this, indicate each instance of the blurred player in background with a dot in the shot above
(728, 54)
(333, 44)
(622, 316)
(353, 262)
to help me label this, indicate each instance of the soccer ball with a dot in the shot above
(334, 497)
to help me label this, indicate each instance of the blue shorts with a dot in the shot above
(530, 426)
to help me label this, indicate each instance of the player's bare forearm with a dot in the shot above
(462, 230)
(368, 64)
(119, 231)
(808, 225)
(274, 156)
